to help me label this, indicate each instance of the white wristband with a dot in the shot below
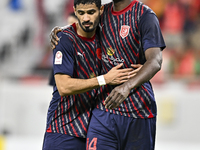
(101, 80)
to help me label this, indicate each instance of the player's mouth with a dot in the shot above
(88, 24)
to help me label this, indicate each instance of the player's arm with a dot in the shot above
(68, 86)
(153, 44)
(147, 71)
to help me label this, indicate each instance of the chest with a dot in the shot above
(87, 57)
(120, 39)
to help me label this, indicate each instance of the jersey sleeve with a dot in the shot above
(63, 55)
(150, 31)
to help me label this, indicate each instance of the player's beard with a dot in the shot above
(88, 29)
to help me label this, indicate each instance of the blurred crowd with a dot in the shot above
(180, 24)
(179, 21)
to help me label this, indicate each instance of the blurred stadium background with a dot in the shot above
(26, 60)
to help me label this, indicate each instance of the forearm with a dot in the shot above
(147, 71)
(69, 86)
(73, 86)
(77, 86)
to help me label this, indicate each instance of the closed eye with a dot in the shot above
(90, 12)
(81, 12)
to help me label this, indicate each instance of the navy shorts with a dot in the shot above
(115, 132)
(58, 141)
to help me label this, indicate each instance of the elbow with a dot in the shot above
(159, 65)
(64, 92)
(158, 68)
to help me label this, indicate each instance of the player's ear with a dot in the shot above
(101, 10)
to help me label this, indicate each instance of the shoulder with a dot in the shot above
(107, 6)
(66, 40)
(67, 34)
(145, 13)
(145, 10)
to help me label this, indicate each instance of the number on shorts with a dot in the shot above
(92, 144)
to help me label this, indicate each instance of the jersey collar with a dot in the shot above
(83, 38)
(123, 10)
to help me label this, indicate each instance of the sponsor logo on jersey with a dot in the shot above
(124, 31)
(92, 75)
(109, 58)
(58, 58)
(110, 51)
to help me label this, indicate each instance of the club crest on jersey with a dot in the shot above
(110, 51)
(58, 58)
(124, 31)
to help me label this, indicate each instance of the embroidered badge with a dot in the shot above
(58, 58)
(124, 31)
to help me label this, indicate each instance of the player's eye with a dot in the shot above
(91, 12)
(81, 13)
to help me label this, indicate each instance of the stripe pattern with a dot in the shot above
(117, 49)
(72, 114)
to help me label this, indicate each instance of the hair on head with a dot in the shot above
(97, 2)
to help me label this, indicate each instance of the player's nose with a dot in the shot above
(86, 18)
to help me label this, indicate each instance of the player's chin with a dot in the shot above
(89, 29)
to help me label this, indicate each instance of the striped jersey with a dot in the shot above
(78, 57)
(125, 35)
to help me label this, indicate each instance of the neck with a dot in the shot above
(82, 33)
(120, 4)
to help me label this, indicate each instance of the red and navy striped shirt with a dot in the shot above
(78, 57)
(125, 36)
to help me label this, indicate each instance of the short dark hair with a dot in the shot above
(97, 2)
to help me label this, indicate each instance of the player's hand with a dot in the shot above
(117, 76)
(53, 36)
(117, 96)
(120, 93)
(136, 70)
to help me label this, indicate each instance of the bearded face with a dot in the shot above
(88, 16)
